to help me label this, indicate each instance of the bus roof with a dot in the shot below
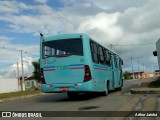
(75, 35)
(63, 36)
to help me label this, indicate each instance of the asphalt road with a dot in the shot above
(60, 102)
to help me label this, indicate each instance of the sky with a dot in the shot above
(121, 24)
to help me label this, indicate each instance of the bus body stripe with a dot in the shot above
(49, 69)
(71, 66)
(100, 69)
(100, 66)
(76, 65)
(77, 68)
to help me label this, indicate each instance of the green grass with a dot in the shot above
(19, 94)
(155, 84)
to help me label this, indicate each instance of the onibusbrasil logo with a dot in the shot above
(21, 114)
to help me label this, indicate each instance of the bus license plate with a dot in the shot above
(64, 89)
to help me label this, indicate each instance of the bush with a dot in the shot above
(155, 84)
(36, 89)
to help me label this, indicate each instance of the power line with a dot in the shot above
(18, 50)
(6, 48)
(60, 15)
(134, 44)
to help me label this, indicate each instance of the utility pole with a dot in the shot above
(15, 73)
(146, 68)
(154, 70)
(138, 69)
(143, 67)
(111, 46)
(132, 68)
(23, 84)
(19, 83)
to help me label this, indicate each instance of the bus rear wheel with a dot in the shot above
(106, 92)
(73, 94)
(120, 88)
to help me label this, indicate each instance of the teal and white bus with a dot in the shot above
(76, 63)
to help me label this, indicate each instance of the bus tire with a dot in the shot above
(73, 94)
(120, 88)
(106, 92)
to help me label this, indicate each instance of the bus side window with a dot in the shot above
(46, 50)
(121, 61)
(107, 56)
(101, 55)
(53, 51)
(94, 52)
(115, 62)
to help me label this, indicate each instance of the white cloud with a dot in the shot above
(41, 1)
(6, 6)
(144, 19)
(102, 5)
(12, 7)
(113, 22)
(4, 39)
(136, 25)
(27, 66)
(12, 55)
(46, 21)
(105, 24)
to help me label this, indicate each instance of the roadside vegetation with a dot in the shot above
(155, 84)
(127, 75)
(36, 73)
(21, 93)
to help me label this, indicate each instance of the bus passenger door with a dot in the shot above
(113, 70)
(118, 72)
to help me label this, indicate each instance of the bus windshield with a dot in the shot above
(63, 48)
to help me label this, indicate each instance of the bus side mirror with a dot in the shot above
(155, 53)
(122, 62)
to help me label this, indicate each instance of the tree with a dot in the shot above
(126, 75)
(36, 73)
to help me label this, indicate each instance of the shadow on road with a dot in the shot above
(62, 97)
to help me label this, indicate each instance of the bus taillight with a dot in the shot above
(87, 74)
(42, 77)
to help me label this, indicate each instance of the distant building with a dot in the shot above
(30, 82)
(8, 85)
(148, 74)
(140, 75)
(137, 75)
